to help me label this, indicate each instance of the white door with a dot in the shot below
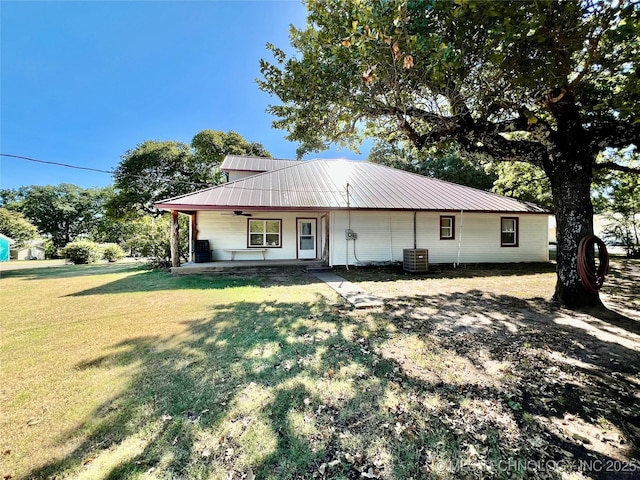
(307, 238)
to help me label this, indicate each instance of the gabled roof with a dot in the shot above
(343, 184)
(8, 239)
(254, 164)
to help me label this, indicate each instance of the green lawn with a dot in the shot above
(113, 371)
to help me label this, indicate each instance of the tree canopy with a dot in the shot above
(447, 165)
(547, 83)
(156, 170)
(15, 226)
(465, 71)
(62, 212)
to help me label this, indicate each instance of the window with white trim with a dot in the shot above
(509, 232)
(265, 233)
(447, 227)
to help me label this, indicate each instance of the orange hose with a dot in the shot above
(592, 278)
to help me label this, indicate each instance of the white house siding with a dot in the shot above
(226, 231)
(239, 175)
(382, 236)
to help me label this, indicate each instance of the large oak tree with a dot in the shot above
(156, 170)
(548, 83)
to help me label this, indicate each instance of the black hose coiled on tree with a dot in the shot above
(592, 278)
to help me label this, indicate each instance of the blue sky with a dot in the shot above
(82, 82)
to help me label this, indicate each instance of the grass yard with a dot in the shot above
(114, 371)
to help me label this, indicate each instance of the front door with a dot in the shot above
(307, 238)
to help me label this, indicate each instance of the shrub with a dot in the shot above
(82, 251)
(112, 252)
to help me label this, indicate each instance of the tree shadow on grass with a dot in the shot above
(70, 271)
(395, 272)
(447, 386)
(154, 280)
(572, 380)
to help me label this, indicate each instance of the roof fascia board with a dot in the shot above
(191, 208)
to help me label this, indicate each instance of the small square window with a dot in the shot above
(447, 227)
(264, 233)
(509, 232)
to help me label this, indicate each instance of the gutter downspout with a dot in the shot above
(346, 240)
(390, 240)
(415, 235)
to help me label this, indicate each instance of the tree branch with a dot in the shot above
(614, 134)
(617, 167)
(499, 149)
(525, 122)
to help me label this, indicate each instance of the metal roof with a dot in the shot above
(254, 164)
(342, 184)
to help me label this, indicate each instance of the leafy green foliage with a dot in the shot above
(449, 165)
(82, 252)
(62, 213)
(15, 226)
(112, 252)
(157, 170)
(210, 147)
(523, 181)
(443, 70)
(149, 172)
(151, 239)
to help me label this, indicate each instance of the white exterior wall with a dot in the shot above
(239, 175)
(229, 231)
(382, 236)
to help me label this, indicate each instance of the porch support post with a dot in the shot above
(325, 257)
(194, 235)
(175, 240)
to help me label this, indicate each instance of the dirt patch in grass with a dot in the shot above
(464, 374)
(564, 384)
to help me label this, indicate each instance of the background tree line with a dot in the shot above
(123, 213)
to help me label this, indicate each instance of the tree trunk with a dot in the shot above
(175, 240)
(570, 171)
(571, 188)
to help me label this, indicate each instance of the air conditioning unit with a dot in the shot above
(415, 259)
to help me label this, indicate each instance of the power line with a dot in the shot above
(109, 172)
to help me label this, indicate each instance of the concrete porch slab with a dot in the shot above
(239, 266)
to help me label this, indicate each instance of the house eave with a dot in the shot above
(189, 208)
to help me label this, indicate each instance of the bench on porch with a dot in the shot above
(233, 251)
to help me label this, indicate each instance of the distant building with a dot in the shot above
(33, 250)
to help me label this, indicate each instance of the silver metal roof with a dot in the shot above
(342, 184)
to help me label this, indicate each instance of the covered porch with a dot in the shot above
(249, 239)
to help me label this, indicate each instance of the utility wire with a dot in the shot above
(56, 163)
(110, 172)
(205, 185)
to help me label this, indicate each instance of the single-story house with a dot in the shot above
(355, 213)
(33, 250)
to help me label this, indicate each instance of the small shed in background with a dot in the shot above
(33, 250)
